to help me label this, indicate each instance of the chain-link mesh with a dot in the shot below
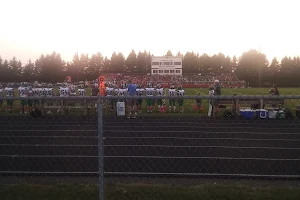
(177, 152)
(55, 146)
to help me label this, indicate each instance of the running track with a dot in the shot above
(151, 146)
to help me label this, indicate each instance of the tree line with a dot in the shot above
(252, 66)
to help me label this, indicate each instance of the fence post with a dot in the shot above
(100, 150)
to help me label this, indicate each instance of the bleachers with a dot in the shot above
(226, 79)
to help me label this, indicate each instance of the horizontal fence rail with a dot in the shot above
(225, 97)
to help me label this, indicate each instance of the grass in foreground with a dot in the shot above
(134, 192)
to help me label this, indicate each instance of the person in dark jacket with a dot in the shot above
(274, 91)
(95, 90)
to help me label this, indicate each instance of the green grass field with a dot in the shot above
(188, 104)
(151, 192)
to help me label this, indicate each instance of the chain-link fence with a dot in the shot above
(161, 150)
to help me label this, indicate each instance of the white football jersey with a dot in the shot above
(9, 92)
(64, 91)
(121, 92)
(172, 92)
(150, 91)
(23, 91)
(81, 92)
(50, 92)
(140, 92)
(36, 92)
(160, 91)
(180, 92)
(1, 92)
(30, 91)
(109, 91)
(211, 92)
(43, 91)
(72, 91)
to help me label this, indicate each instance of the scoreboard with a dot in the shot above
(166, 65)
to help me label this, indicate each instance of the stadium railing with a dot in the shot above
(184, 149)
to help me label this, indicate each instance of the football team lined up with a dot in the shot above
(66, 89)
(149, 91)
(43, 90)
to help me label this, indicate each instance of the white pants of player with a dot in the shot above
(210, 109)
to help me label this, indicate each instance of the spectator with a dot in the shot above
(217, 92)
(198, 105)
(95, 90)
(274, 90)
(210, 101)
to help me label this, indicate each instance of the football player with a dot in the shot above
(122, 91)
(30, 94)
(64, 90)
(159, 92)
(36, 93)
(180, 92)
(72, 90)
(172, 93)
(109, 91)
(23, 93)
(50, 93)
(49, 90)
(9, 92)
(1, 95)
(81, 90)
(139, 92)
(149, 93)
(43, 90)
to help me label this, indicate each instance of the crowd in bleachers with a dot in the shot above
(225, 78)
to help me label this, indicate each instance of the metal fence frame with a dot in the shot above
(223, 97)
(98, 100)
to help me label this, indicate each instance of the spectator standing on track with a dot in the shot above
(274, 91)
(131, 102)
(210, 102)
(198, 105)
(217, 92)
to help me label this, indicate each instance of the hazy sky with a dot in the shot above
(32, 27)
